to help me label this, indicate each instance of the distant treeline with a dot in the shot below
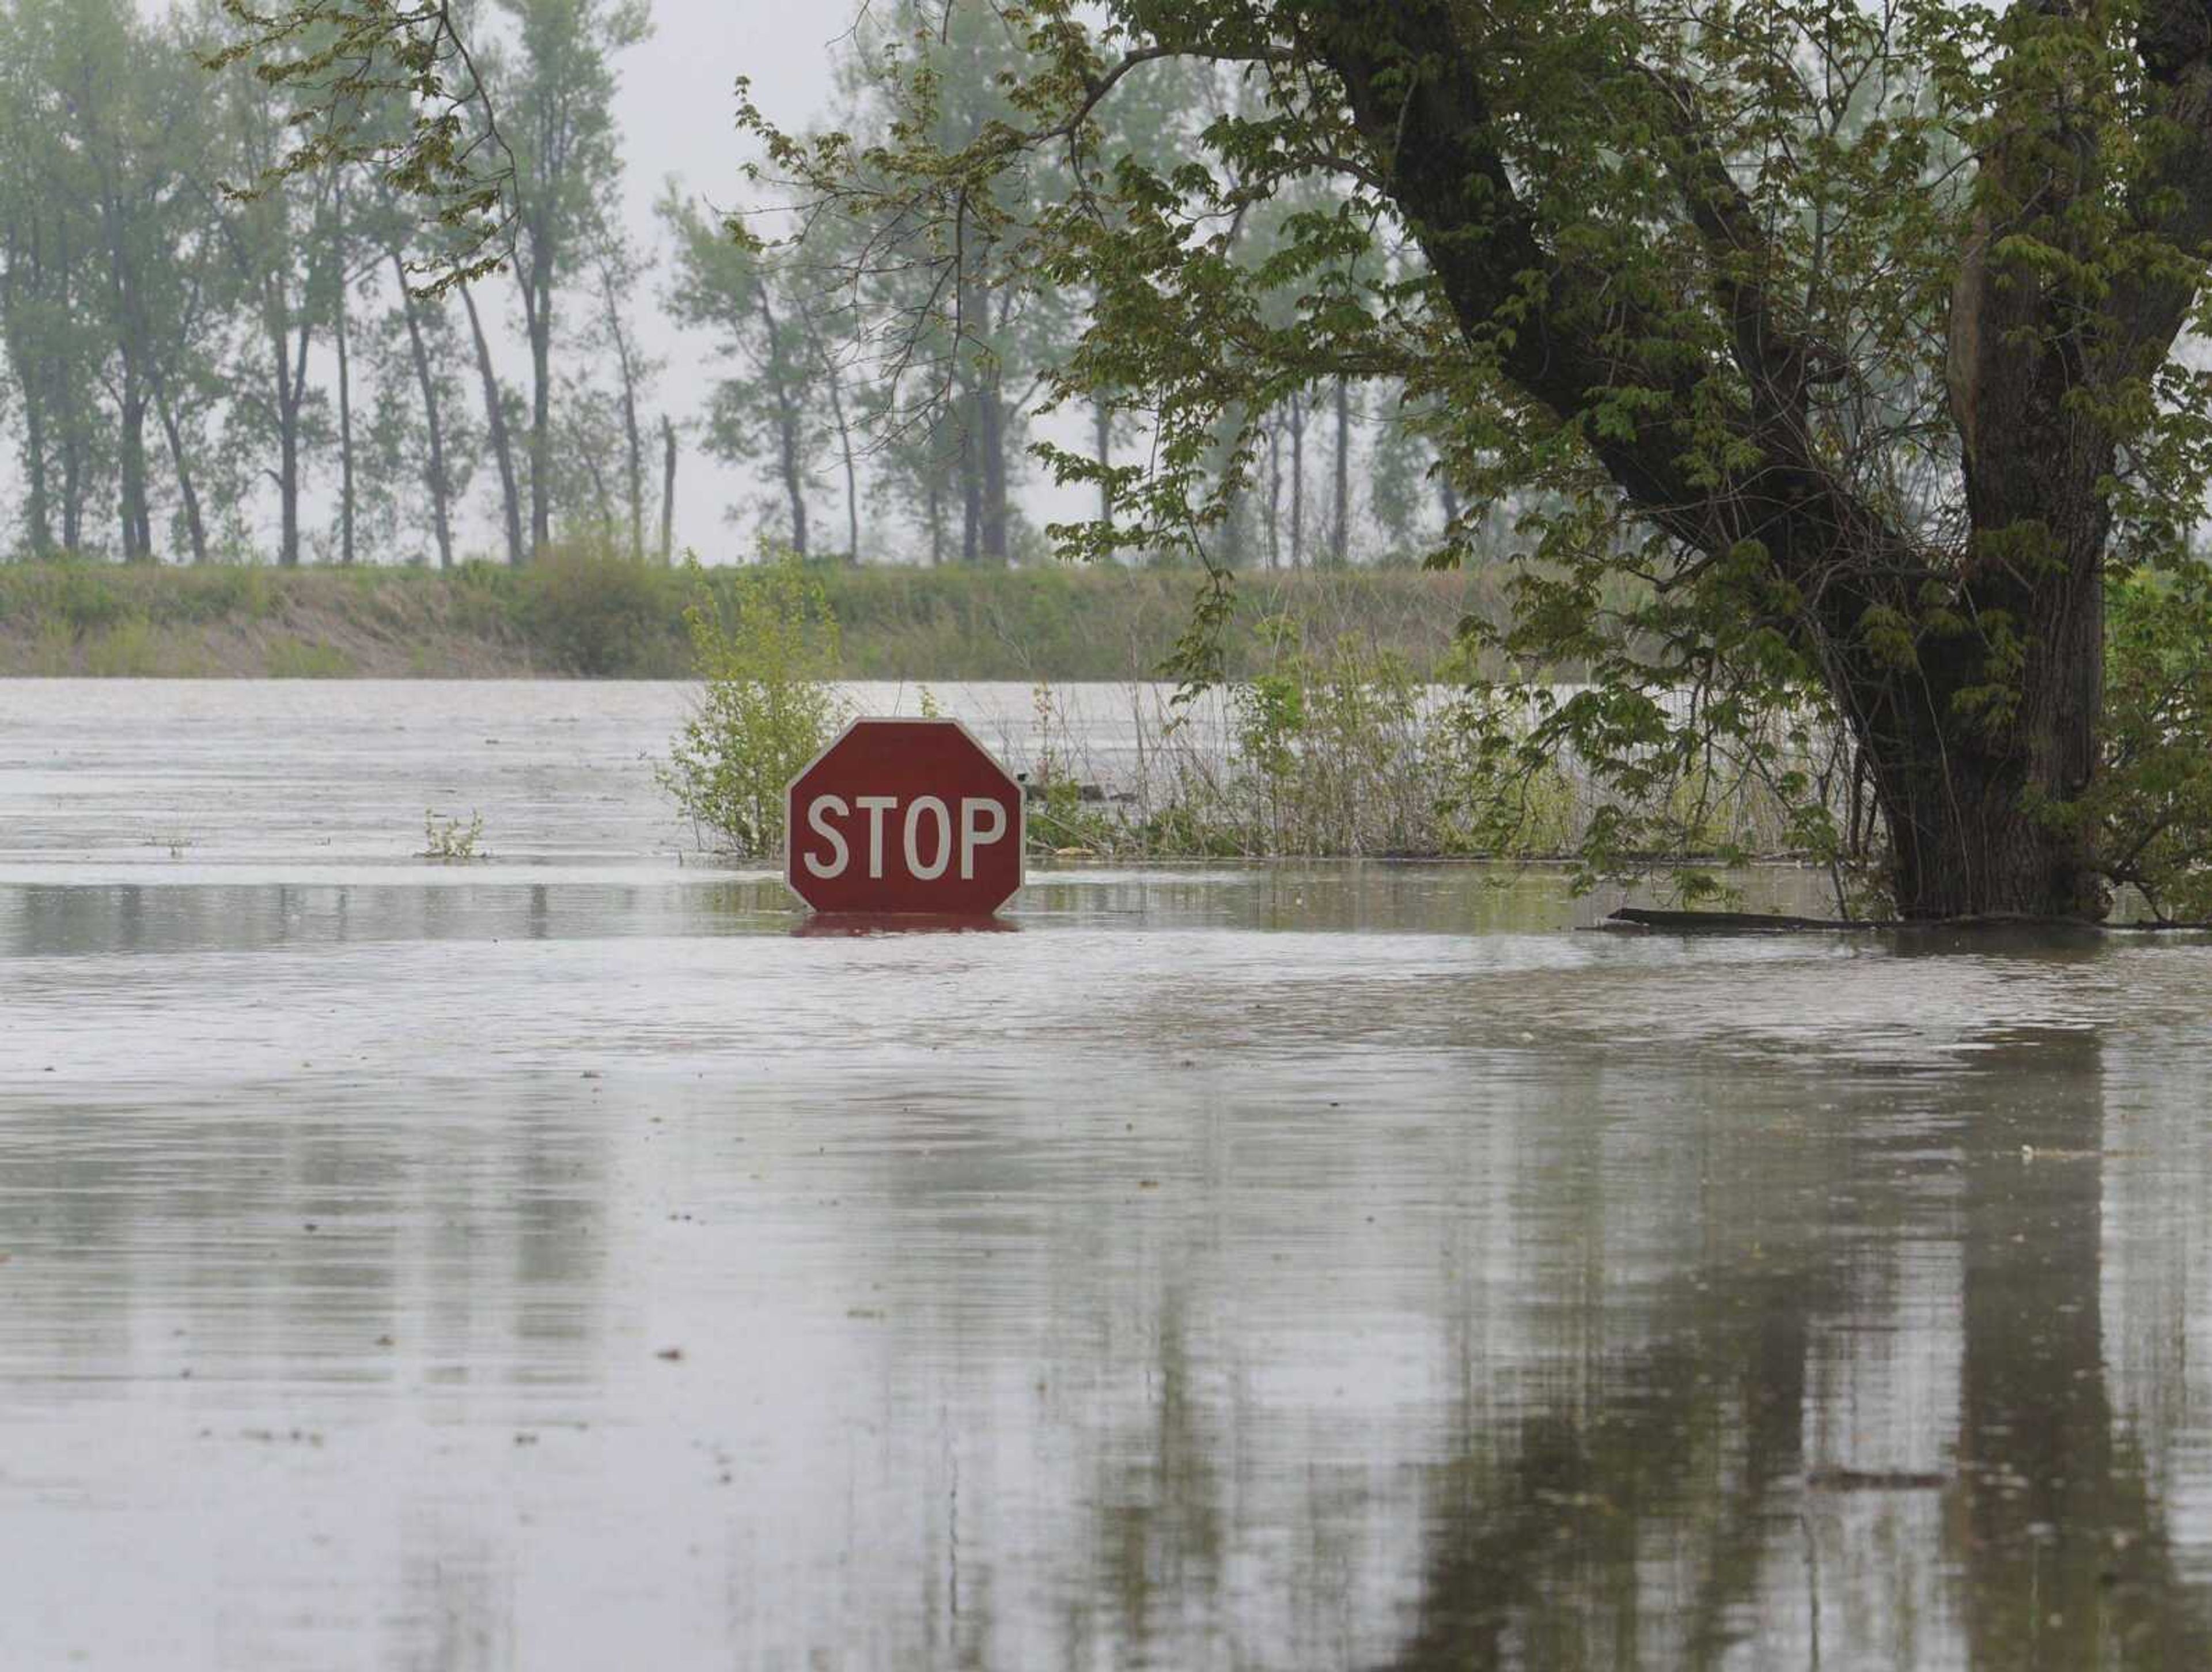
(192, 375)
(611, 619)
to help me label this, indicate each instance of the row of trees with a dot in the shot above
(911, 367)
(220, 345)
(184, 354)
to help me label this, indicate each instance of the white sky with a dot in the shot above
(676, 111)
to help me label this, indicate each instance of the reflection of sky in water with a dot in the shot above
(1329, 1266)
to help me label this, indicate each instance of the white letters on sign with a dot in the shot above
(832, 804)
(928, 829)
(878, 805)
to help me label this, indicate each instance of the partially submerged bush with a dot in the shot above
(447, 838)
(768, 708)
(1348, 750)
(1345, 752)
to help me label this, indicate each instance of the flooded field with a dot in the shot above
(561, 1261)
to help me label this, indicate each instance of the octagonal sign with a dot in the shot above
(904, 815)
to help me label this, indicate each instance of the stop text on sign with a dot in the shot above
(927, 828)
(904, 817)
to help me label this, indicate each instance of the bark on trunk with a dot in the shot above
(1964, 798)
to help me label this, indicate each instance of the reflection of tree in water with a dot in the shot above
(2067, 1562)
(1542, 1532)
(1163, 1502)
(1552, 1533)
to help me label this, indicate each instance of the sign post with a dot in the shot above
(904, 818)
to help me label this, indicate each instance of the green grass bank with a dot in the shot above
(612, 620)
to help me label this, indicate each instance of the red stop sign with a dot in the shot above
(904, 815)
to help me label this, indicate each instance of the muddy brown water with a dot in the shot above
(556, 1262)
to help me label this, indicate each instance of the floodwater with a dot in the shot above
(556, 1262)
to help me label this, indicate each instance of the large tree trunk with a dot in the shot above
(502, 447)
(1977, 716)
(1962, 796)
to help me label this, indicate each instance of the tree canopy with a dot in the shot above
(1826, 351)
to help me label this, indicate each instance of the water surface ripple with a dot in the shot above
(557, 1261)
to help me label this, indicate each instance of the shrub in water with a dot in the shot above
(450, 839)
(768, 707)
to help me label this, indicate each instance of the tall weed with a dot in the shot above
(767, 654)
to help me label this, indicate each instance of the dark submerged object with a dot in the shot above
(1728, 923)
